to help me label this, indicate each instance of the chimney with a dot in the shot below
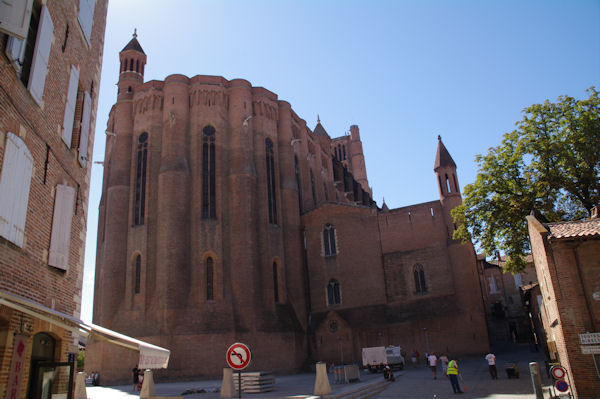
(594, 212)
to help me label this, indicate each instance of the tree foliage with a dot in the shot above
(549, 164)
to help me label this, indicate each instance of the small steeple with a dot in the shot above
(442, 157)
(134, 44)
(319, 129)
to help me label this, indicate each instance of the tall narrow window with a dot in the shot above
(297, 170)
(312, 188)
(329, 240)
(344, 148)
(210, 279)
(419, 277)
(138, 273)
(456, 190)
(333, 293)
(275, 282)
(208, 173)
(448, 184)
(271, 197)
(140, 179)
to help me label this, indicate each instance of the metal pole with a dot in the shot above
(536, 380)
(239, 384)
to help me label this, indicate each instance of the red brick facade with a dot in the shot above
(42, 262)
(297, 261)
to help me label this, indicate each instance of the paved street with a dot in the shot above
(410, 383)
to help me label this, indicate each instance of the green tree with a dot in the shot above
(550, 163)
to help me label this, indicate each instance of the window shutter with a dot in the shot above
(14, 189)
(60, 240)
(41, 53)
(67, 132)
(85, 129)
(86, 17)
(14, 51)
(15, 16)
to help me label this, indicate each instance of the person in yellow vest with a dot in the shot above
(453, 374)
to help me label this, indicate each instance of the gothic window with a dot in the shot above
(312, 187)
(276, 282)
(271, 197)
(333, 293)
(344, 148)
(210, 279)
(140, 179)
(138, 273)
(297, 170)
(329, 240)
(448, 184)
(208, 173)
(419, 277)
(455, 183)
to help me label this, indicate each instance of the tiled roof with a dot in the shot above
(580, 228)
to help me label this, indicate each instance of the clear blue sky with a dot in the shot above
(403, 71)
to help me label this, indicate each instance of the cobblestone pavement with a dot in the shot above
(416, 383)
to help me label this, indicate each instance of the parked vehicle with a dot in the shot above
(376, 358)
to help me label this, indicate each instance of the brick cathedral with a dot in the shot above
(224, 218)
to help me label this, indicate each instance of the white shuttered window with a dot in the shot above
(67, 132)
(86, 17)
(85, 128)
(14, 17)
(41, 54)
(60, 241)
(15, 181)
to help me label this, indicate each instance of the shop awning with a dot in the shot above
(151, 356)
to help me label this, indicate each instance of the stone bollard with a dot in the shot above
(536, 380)
(80, 391)
(322, 386)
(148, 389)
(227, 389)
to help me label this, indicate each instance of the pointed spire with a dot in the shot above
(135, 35)
(134, 44)
(319, 129)
(442, 158)
(384, 206)
(318, 119)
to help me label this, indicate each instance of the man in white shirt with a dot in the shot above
(432, 359)
(491, 359)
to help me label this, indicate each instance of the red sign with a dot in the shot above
(561, 386)
(558, 372)
(17, 365)
(238, 356)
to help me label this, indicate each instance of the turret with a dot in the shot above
(357, 159)
(445, 172)
(131, 72)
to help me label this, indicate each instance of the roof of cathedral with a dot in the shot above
(573, 229)
(442, 158)
(133, 44)
(319, 129)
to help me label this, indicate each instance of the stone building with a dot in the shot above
(225, 218)
(50, 59)
(567, 262)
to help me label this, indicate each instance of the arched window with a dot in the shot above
(138, 273)
(131, 64)
(208, 173)
(140, 179)
(210, 279)
(456, 190)
(448, 184)
(419, 277)
(271, 197)
(312, 187)
(333, 293)
(276, 282)
(329, 240)
(344, 148)
(137, 65)
(297, 170)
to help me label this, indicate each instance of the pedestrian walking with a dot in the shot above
(413, 358)
(453, 375)
(491, 359)
(444, 360)
(432, 359)
(135, 373)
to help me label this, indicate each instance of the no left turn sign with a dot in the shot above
(238, 356)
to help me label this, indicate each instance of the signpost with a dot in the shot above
(558, 372)
(238, 357)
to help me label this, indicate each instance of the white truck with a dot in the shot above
(377, 357)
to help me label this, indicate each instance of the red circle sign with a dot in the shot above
(238, 356)
(561, 386)
(558, 372)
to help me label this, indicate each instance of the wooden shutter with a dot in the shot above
(85, 128)
(86, 17)
(14, 50)
(15, 181)
(15, 16)
(67, 132)
(60, 240)
(41, 54)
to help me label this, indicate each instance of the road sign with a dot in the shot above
(238, 356)
(561, 386)
(590, 349)
(558, 372)
(589, 338)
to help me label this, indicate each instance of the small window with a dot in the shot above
(210, 279)
(298, 184)
(276, 283)
(312, 188)
(333, 293)
(138, 273)
(329, 240)
(419, 277)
